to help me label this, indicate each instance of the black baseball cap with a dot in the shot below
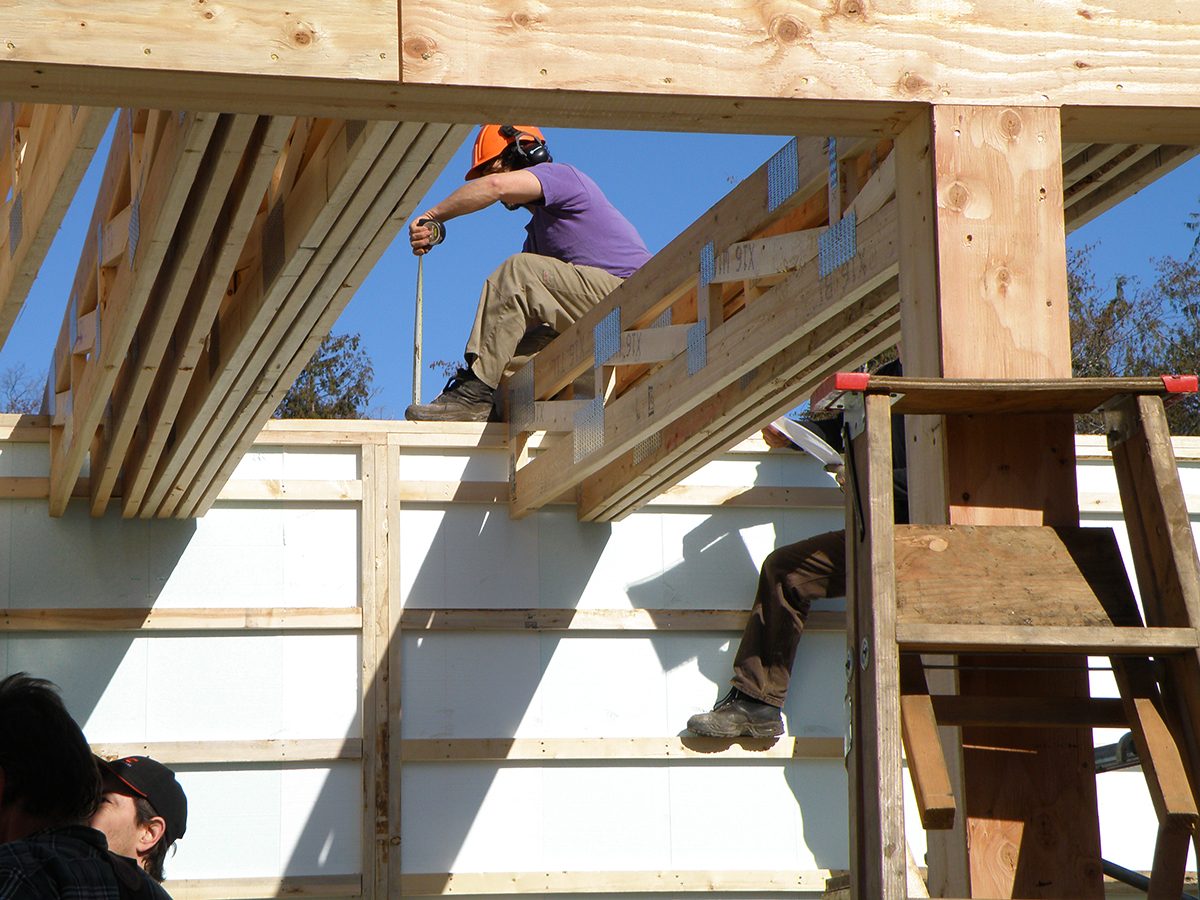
(150, 779)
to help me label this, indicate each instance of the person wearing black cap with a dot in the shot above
(143, 810)
(49, 788)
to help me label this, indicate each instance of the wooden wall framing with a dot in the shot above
(382, 749)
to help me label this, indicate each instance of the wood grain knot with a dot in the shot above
(1010, 124)
(418, 47)
(939, 545)
(913, 84)
(788, 30)
(958, 195)
(303, 34)
(524, 20)
(851, 9)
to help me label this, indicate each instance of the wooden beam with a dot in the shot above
(852, 65)
(284, 241)
(642, 475)
(422, 162)
(219, 165)
(183, 619)
(261, 751)
(802, 302)
(327, 887)
(983, 278)
(48, 169)
(669, 274)
(681, 620)
(439, 884)
(164, 180)
(201, 307)
(592, 749)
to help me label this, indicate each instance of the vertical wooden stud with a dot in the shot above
(983, 286)
(876, 787)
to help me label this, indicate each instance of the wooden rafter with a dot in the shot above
(47, 151)
(154, 161)
(412, 176)
(216, 173)
(201, 306)
(280, 246)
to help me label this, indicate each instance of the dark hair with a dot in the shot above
(48, 767)
(158, 853)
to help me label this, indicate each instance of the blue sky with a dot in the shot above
(662, 182)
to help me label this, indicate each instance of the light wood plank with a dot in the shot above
(459, 619)
(414, 750)
(295, 490)
(262, 751)
(438, 884)
(329, 887)
(182, 619)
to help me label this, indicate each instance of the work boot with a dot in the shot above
(738, 715)
(464, 399)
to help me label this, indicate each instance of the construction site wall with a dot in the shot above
(373, 682)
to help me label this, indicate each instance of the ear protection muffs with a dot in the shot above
(524, 149)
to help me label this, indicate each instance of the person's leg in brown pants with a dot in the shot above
(791, 578)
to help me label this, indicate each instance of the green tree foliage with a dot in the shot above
(336, 383)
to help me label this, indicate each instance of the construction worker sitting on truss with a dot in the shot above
(578, 249)
(791, 578)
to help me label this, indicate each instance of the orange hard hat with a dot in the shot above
(492, 140)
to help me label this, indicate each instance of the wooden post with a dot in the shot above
(878, 869)
(984, 294)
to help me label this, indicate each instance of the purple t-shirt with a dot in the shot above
(576, 223)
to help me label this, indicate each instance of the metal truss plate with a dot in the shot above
(16, 224)
(697, 347)
(643, 450)
(663, 321)
(606, 337)
(589, 429)
(135, 229)
(520, 400)
(708, 264)
(783, 175)
(838, 244)
(831, 150)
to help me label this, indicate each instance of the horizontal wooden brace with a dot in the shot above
(590, 749)
(260, 751)
(198, 619)
(295, 490)
(1092, 640)
(440, 884)
(648, 345)
(555, 415)
(327, 887)
(680, 495)
(648, 620)
(1036, 712)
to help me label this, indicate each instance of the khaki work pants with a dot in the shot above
(524, 295)
(791, 578)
